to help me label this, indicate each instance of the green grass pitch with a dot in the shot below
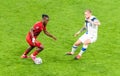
(102, 58)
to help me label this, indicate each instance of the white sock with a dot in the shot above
(83, 50)
(74, 49)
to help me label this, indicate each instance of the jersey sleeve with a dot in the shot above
(95, 20)
(35, 26)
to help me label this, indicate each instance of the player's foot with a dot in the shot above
(33, 57)
(78, 57)
(24, 56)
(69, 53)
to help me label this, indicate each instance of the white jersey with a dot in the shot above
(92, 29)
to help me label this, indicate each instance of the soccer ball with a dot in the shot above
(38, 60)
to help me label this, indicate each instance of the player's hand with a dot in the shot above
(76, 34)
(54, 38)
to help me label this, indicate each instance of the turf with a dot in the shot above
(66, 17)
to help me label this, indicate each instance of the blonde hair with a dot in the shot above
(88, 10)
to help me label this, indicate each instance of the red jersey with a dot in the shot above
(38, 27)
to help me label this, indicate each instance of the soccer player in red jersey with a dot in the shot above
(32, 35)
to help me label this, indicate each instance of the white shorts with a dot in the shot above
(85, 37)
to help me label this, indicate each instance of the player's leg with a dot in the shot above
(74, 47)
(76, 44)
(27, 51)
(39, 48)
(85, 45)
(31, 46)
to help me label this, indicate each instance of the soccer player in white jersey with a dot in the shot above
(90, 36)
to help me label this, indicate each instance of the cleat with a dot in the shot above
(24, 56)
(33, 57)
(69, 53)
(77, 57)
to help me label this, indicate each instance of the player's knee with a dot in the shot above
(86, 43)
(76, 44)
(42, 47)
(31, 47)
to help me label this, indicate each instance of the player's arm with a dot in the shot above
(48, 34)
(81, 30)
(32, 34)
(95, 22)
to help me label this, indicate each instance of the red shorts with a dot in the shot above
(29, 40)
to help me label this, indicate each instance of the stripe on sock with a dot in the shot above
(74, 46)
(83, 49)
